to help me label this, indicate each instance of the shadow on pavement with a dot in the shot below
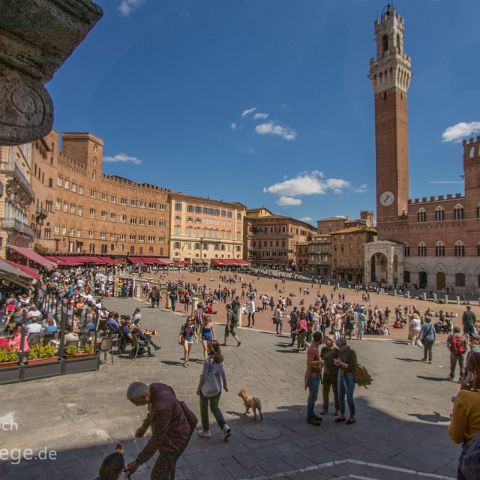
(283, 442)
(433, 379)
(408, 359)
(433, 418)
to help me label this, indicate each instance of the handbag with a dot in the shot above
(211, 386)
(469, 461)
(181, 340)
(189, 415)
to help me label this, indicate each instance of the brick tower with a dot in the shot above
(390, 75)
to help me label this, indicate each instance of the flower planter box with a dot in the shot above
(8, 364)
(81, 363)
(9, 374)
(38, 361)
(41, 368)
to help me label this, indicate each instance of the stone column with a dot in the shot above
(36, 37)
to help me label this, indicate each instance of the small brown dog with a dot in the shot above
(250, 402)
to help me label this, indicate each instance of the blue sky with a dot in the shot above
(267, 102)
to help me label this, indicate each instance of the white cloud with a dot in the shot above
(457, 132)
(272, 128)
(306, 219)
(122, 158)
(248, 151)
(305, 184)
(126, 7)
(285, 201)
(442, 182)
(362, 188)
(261, 116)
(234, 125)
(248, 111)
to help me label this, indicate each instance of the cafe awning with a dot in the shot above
(234, 262)
(32, 272)
(64, 261)
(10, 273)
(29, 254)
(164, 261)
(199, 261)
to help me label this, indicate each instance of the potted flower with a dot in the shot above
(73, 351)
(8, 358)
(42, 354)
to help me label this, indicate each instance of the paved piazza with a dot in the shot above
(263, 320)
(401, 424)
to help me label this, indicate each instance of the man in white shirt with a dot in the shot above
(33, 327)
(251, 309)
(34, 313)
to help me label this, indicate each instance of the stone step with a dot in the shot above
(354, 470)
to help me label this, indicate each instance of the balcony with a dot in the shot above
(17, 226)
(13, 171)
(42, 214)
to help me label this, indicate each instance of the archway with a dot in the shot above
(440, 280)
(378, 268)
(422, 279)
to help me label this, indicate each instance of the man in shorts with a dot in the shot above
(231, 326)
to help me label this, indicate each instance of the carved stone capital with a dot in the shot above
(26, 109)
(36, 37)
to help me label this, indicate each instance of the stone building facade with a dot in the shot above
(321, 257)
(431, 243)
(16, 197)
(314, 257)
(203, 229)
(270, 240)
(348, 252)
(85, 211)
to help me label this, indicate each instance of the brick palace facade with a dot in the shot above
(431, 243)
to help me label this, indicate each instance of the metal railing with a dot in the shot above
(18, 226)
(14, 171)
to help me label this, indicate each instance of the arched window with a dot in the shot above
(385, 43)
(459, 279)
(459, 249)
(458, 213)
(439, 249)
(94, 175)
(439, 214)
(422, 249)
(406, 250)
(421, 215)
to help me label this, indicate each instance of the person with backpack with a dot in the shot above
(427, 337)
(330, 374)
(346, 361)
(465, 424)
(457, 344)
(171, 422)
(210, 388)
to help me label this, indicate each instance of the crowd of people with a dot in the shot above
(69, 303)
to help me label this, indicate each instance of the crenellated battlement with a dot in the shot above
(433, 198)
(71, 164)
(471, 148)
(130, 183)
